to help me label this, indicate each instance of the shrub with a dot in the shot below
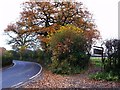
(15, 54)
(113, 55)
(112, 62)
(43, 57)
(68, 46)
(108, 76)
(29, 55)
(7, 58)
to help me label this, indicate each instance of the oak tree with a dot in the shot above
(41, 19)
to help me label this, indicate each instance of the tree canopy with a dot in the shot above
(40, 19)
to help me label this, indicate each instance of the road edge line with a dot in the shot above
(22, 83)
(37, 73)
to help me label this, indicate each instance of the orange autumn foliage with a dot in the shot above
(45, 18)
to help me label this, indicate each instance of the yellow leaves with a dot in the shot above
(70, 27)
(66, 37)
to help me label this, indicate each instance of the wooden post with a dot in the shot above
(102, 55)
(119, 20)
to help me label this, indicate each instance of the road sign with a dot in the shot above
(98, 51)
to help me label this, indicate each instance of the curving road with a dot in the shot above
(19, 73)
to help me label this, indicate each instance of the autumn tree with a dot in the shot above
(45, 18)
(20, 39)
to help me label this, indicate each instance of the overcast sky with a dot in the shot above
(105, 13)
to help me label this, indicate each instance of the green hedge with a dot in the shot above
(111, 63)
(7, 59)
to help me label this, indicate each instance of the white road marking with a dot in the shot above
(17, 84)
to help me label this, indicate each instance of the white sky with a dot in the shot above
(105, 13)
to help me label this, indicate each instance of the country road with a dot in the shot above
(19, 73)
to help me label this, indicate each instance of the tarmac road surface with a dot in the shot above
(19, 73)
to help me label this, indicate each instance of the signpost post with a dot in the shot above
(99, 51)
(119, 20)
